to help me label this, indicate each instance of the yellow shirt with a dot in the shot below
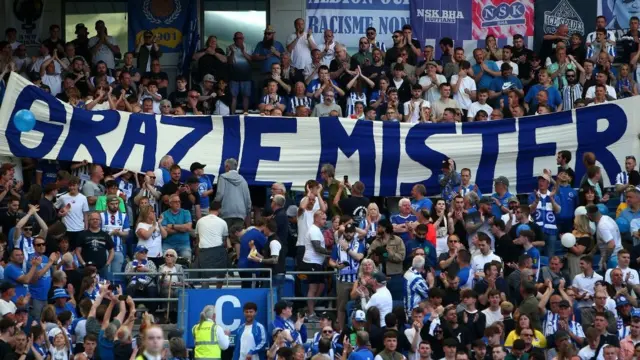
(539, 340)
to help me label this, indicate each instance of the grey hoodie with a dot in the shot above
(233, 192)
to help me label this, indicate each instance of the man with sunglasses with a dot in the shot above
(41, 281)
(622, 179)
(572, 91)
(149, 190)
(23, 238)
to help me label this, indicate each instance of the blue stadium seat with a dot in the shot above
(544, 261)
(290, 264)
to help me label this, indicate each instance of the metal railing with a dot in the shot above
(333, 273)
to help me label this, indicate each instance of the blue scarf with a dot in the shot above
(141, 278)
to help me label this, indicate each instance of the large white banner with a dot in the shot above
(389, 157)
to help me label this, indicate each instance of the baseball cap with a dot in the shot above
(635, 312)
(562, 335)
(292, 211)
(501, 180)
(513, 199)
(270, 29)
(432, 63)
(196, 165)
(380, 277)
(79, 27)
(111, 198)
(359, 316)
(141, 248)
(622, 301)
(564, 304)
(209, 77)
(350, 228)
(545, 176)
(580, 210)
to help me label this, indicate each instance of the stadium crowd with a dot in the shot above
(454, 275)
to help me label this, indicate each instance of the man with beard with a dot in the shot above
(103, 46)
(363, 57)
(268, 51)
(377, 69)
(572, 91)
(147, 51)
(399, 45)
(373, 42)
(521, 56)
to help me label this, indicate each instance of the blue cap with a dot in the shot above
(621, 301)
(141, 248)
(60, 294)
(522, 227)
(635, 312)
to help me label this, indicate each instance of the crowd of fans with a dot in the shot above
(454, 275)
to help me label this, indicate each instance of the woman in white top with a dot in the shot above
(150, 233)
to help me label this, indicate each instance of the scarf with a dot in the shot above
(143, 279)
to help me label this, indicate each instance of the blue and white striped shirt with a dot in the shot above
(295, 101)
(353, 99)
(622, 179)
(349, 273)
(416, 290)
(545, 217)
(277, 100)
(550, 326)
(118, 221)
(380, 45)
(595, 49)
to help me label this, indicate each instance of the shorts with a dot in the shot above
(241, 87)
(314, 279)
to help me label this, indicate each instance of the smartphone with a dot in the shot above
(122, 297)
(345, 263)
(346, 178)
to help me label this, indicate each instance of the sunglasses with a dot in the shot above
(27, 229)
(327, 331)
(38, 245)
(169, 255)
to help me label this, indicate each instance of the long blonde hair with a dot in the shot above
(144, 213)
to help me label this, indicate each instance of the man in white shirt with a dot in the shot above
(493, 313)
(211, 242)
(315, 253)
(413, 333)
(601, 23)
(600, 95)
(629, 275)
(584, 283)
(328, 48)
(73, 208)
(507, 52)
(250, 343)
(299, 45)
(481, 104)
(413, 107)
(601, 79)
(381, 299)
(7, 291)
(608, 233)
(463, 86)
(431, 82)
(103, 46)
(484, 255)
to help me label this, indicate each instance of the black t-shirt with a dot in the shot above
(344, 78)
(507, 250)
(534, 227)
(186, 203)
(354, 206)
(47, 211)
(8, 222)
(95, 246)
(393, 54)
(453, 268)
(210, 64)
(382, 71)
(82, 49)
(52, 45)
(179, 98)
(6, 351)
(524, 67)
(82, 85)
(131, 91)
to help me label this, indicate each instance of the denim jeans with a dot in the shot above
(552, 246)
(116, 266)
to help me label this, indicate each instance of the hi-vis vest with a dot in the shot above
(206, 341)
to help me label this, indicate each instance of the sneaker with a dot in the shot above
(313, 318)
